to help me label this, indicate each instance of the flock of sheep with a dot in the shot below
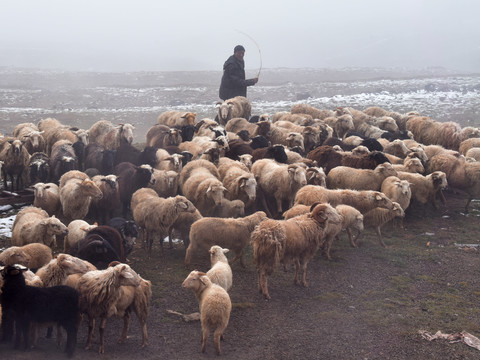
(287, 184)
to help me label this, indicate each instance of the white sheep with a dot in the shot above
(99, 292)
(220, 272)
(215, 306)
(33, 224)
(77, 230)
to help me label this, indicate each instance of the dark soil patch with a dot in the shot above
(367, 303)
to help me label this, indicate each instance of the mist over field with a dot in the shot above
(186, 35)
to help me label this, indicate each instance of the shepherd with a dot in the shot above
(233, 79)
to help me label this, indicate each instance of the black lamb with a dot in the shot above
(26, 304)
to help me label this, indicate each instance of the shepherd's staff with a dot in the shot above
(258, 47)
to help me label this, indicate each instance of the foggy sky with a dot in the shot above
(160, 35)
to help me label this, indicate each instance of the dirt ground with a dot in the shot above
(367, 303)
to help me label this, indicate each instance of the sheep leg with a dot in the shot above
(101, 331)
(188, 255)
(468, 203)
(297, 269)
(170, 241)
(72, 329)
(379, 233)
(143, 323)
(328, 245)
(351, 238)
(264, 204)
(279, 206)
(304, 277)
(126, 323)
(217, 335)
(205, 334)
(263, 284)
(91, 326)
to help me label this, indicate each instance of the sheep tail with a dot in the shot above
(268, 247)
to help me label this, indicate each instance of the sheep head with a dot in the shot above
(316, 176)
(217, 254)
(215, 192)
(324, 213)
(90, 189)
(397, 210)
(184, 205)
(126, 275)
(71, 264)
(190, 117)
(248, 184)
(381, 200)
(197, 281)
(297, 174)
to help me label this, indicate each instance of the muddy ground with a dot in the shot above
(367, 303)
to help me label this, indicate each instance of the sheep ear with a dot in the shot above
(225, 251)
(209, 189)
(182, 205)
(313, 205)
(378, 197)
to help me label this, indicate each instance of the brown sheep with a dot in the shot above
(296, 239)
(199, 182)
(237, 107)
(426, 189)
(76, 195)
(173, 118)
(99, 292)
(278, 181)
(363, 200)
(238, 124)
(378, 217)
(233, 234)
(47, 197)
(461, 175)
(33, 225)
(343, 177)
(161, 136)
(312, 111)
(15, 159)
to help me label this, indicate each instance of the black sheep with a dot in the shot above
(39, 168)
(187, 132)
(98, 157)
(96, 250)
(129, 153)
(130, 179)
(113, 237)
(276, 152)
(259, 141)
(129, 231)
(26, 304)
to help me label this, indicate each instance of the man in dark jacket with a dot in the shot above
(233, 79)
